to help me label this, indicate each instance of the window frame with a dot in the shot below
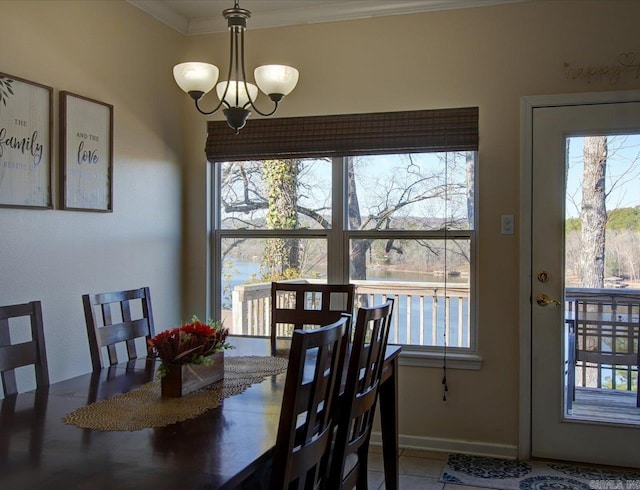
(338, 236)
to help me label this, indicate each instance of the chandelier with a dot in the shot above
(236, 94)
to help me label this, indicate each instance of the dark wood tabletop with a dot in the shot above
(215, 450)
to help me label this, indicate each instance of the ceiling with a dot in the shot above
(205, 16)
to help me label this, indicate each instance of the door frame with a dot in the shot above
(527, 106)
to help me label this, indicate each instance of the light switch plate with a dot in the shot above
(507, 225)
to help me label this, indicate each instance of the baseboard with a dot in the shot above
(452, 446)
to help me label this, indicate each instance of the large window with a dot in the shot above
(395, 223)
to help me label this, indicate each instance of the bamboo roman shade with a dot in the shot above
(345, 135)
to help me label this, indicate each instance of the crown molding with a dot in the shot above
(165, 14)
(279, 13)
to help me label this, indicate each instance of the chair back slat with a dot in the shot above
(296, 305)
(120, 296)
(357, 406)
(123, 331)
(307, 418)
(7, 373)
(32, 352)
(109, 322)
(18, 355)
(106, 312)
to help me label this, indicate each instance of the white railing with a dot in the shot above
(424, 312)
(627, 301)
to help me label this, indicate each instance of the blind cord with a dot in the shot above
(445, 386)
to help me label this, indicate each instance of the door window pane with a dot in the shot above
(602, 277)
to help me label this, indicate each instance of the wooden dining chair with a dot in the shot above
(349, 461)
(303, 305)
(301, 453)
(20, 354)
(117, 317)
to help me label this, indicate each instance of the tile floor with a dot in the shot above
(419, 470)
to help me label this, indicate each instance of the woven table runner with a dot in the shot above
(145, 408)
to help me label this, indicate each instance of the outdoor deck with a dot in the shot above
(423, 311)
(604, 405)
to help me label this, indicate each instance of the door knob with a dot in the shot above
(544, 300)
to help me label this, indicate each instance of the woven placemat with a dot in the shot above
(145, 408)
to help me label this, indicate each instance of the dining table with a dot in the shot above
(218, 449)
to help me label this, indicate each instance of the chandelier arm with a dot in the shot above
(207, 113)
(238, 39)
(231, 63)
(244, 74)
(251, 102)
(222, 102)
(265, 114)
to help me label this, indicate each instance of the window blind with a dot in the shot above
(345, 135)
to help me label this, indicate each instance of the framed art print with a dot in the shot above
(86, 153)
(26, 112)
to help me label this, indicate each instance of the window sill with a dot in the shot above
(419, 358)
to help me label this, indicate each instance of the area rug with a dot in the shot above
(480, 471)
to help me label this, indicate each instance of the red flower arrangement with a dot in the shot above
(190, 343)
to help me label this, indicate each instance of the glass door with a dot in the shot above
(585, 294)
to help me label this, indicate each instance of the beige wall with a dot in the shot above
(486, 57)
(157, 236)
(112, 52)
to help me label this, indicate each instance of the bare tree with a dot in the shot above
(268, 187)
(471, 187)
(593, 215)
(358, 247)
(281, 258)
(621, 250)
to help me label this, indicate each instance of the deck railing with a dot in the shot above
(424, 312)
(626, 304)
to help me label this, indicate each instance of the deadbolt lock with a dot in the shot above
(543, 276)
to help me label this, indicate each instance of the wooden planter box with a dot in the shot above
(183, 379)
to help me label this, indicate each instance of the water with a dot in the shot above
(240, 272)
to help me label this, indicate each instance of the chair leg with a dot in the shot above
(571, 366)
(571, 387)
(363, 479)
